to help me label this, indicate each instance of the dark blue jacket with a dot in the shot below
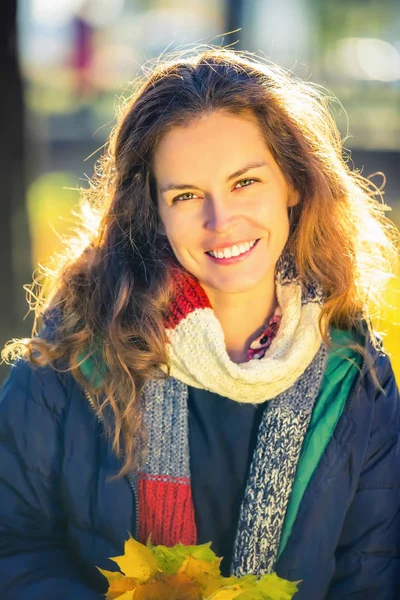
(60, 516)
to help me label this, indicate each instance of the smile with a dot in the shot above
(235, 250)
(234, 254)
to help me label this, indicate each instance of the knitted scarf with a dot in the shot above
(197, 349)
(289, 375)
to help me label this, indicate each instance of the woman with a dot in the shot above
(207, 370)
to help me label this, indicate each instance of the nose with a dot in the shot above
(219, 214)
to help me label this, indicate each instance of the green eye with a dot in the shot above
(246, 182)
(183, 197)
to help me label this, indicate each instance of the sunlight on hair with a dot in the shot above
(110, 286)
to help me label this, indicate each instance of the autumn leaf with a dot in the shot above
(118, 584)
(110, 575)
(185, 573)
(227, 593)
(251, 587)
(202, 552)
(267, 587)
(137, 561)
(275, 587)
(127, 596)
(232, 587)
(169, 560)
(206, 574)
(168, 587)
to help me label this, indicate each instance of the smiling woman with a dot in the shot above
(208, 223)
(217, 325)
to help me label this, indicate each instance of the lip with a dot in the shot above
(222, 247)
(233, 259)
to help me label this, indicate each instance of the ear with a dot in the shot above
(294, 197)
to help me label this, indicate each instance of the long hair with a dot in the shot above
(108, 300)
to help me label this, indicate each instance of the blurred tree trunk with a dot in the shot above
(15, 247)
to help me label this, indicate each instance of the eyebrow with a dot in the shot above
(183, 186)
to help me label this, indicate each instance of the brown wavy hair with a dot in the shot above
(108, 297)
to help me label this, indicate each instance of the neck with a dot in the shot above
(243, 316)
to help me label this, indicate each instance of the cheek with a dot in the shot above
(182, 227)
(270, 214)
(180, 236)
(268, 201)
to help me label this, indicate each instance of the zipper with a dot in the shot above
(131, 479)
(89, 397)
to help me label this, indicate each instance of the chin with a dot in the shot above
(234, 286)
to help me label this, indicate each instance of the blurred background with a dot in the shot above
(64, 64)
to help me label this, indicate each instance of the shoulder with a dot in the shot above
(34, 408)
(375, 411)
(377, 373)
(376, 391)
(32, 389)
(379, 382)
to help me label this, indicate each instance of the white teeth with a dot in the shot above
(234, 251)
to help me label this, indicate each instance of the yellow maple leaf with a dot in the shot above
(168, 587)
(110, 575)
(137, 561)
(185, 573)
(118, 584)
(204, 573)
(227, 594)
(127, 596)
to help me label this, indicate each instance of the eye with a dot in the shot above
(245, 182)
(183, 197)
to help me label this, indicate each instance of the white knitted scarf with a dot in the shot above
(197, 348)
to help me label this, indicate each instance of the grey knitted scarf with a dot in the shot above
(282, 430)
(289, 377)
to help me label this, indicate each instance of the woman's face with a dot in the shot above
(219, 189)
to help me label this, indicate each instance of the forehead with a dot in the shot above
(209, 144)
